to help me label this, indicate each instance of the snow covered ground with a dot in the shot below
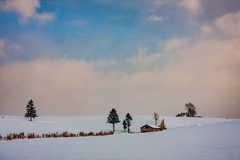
(186, 138)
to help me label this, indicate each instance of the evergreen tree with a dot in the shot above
(31, 112)
(128, 120)
(113, 118)
(124, 125)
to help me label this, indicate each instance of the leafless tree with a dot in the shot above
(155, 117)
(191, 110)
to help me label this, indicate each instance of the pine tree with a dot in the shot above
(113, 118)
(128, 120)
(31, 112)
(124, 125)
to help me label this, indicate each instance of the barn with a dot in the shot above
(149, 128)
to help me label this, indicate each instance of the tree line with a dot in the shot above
(113, 118)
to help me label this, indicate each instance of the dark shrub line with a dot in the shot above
(21, 135)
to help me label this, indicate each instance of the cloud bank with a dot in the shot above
(202, 69)
(206, 73)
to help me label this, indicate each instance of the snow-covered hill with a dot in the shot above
(186, 138)
(17, 124)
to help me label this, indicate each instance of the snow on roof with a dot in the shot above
(153, 126)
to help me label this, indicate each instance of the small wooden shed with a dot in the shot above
(149, 128)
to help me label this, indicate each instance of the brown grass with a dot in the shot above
(52, 135)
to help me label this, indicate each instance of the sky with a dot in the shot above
(80, 58)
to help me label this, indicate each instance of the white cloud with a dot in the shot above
(143, 58)
(6, 48)
(155, 5)
(155, 18)
(140, 60)
(44, 17)
(194, 6)
(206, 30)
(174, 44)
(15, 48)
(229, 24)
(27, 10)
(225, 26)
(158, 2)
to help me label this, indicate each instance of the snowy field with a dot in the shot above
(186, 138)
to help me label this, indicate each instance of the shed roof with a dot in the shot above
(152, 126)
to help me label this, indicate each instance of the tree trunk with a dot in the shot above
(30, 118)
(113, 127)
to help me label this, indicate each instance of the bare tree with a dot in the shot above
(155, 117)
(191, 110)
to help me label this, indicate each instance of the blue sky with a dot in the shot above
(102, 29)
(150, 50)
(95, 29)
